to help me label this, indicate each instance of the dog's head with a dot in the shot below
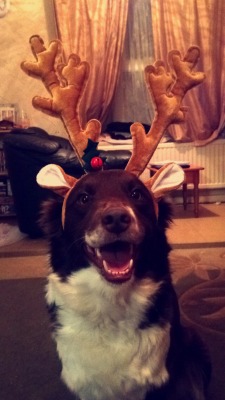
(111, 210)
(107, 219)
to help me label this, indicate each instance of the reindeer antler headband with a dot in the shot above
(66, 84)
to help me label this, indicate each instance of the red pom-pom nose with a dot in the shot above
(96, 163)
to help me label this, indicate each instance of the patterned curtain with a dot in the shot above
(94, 30)
(178, 24)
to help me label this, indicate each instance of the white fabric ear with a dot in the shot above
(169, 177)
(53, 177)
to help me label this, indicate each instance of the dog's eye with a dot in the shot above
(83, 198)
(136, 194)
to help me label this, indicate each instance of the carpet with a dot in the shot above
(29, 368)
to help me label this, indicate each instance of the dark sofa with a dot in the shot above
(26, 152)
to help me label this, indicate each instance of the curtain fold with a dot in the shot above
(95, 30)
(178, 24)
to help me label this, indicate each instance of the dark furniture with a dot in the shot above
(6, 200)
(26, 152)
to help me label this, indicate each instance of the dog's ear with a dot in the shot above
(53, 177)
(167, 178)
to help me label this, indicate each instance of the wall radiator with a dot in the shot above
(211, 157)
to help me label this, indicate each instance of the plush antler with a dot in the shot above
(167, 94)
(66, 84)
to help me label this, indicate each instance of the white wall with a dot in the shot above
(24, 19)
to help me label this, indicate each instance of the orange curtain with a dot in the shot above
(94, 30)
(178, 24)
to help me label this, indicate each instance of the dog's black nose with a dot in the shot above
(116, 220)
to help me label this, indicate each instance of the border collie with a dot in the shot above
(116, 314)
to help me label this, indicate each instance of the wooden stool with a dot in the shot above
(191, 177)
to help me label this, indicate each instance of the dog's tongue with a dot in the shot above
(117, 258)
(117, 261)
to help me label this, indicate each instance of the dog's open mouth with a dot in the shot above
(115, 260)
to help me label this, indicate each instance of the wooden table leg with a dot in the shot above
(196, 193)
(191, 177)
(185, 196)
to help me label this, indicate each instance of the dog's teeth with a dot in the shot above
(105, 265)
(91, 249)
(98, 252)
(117, 273)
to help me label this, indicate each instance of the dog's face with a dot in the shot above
(111, 210)
(110, 222)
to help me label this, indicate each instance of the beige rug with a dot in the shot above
(200, 261)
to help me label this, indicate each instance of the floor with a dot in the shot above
(28, 258)
(206, 230)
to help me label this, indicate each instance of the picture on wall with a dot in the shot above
(8, 112)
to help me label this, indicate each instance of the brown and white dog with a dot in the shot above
(117, 324)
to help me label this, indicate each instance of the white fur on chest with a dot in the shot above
(104, 354)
